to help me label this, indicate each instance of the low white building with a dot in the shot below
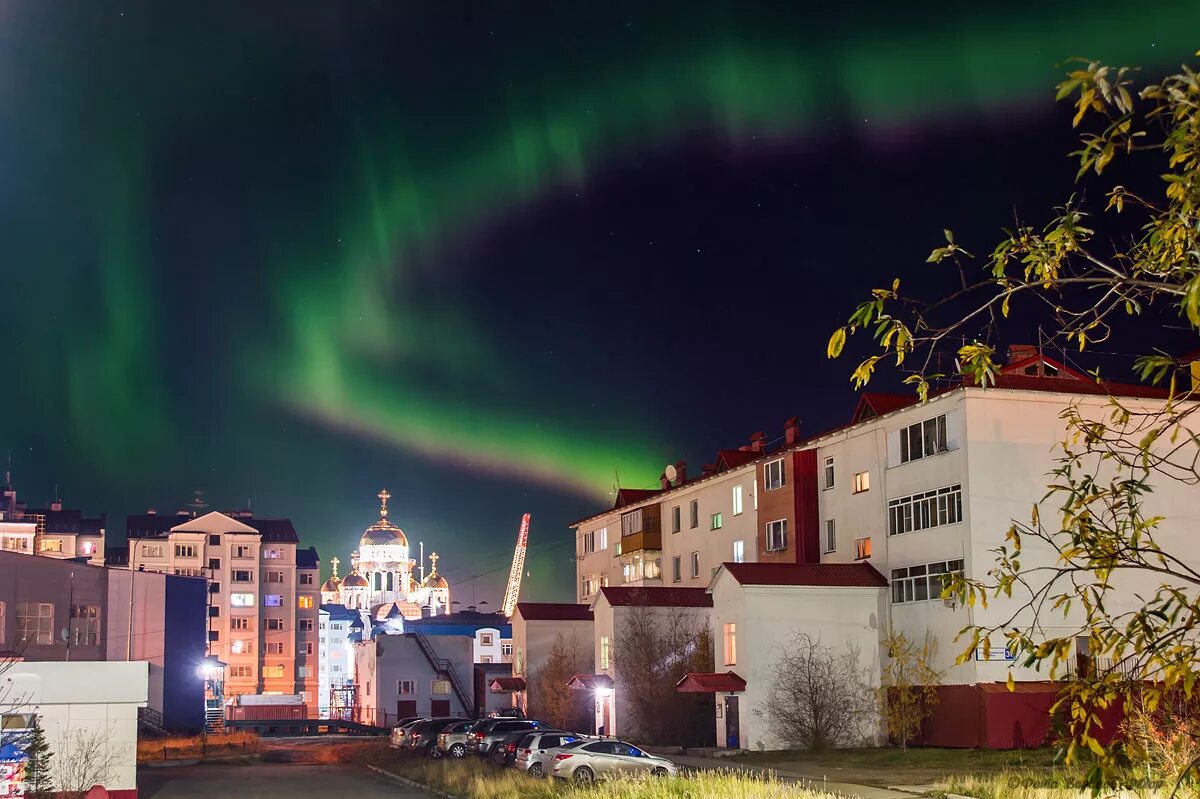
(82, 706)
(536, 628)
(758, 608)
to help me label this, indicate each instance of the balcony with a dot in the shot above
(646, 539)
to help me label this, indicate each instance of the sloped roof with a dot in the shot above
(307, 558)
(554, 611)
(278, 531)
(846, 575)
(506, 685)
(873, 403)
(632, 496)
(213, 521)
(709, 683)
(589, 682)
(733, 458)
(655, 597)
(342, 613)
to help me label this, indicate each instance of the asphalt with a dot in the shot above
(841, 788)
(268, 781)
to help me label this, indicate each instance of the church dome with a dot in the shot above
(332, 585)
(435, 581)
(354, 580)
(383, 533)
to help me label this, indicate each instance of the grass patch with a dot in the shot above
(195, 746)
(478, 780)
(948, 761)
(1039, 785)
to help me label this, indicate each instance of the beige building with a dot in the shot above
(264, 596)
(52, 532)
(537, 627)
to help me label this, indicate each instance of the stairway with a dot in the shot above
(445, 667)
(214, 715)
(150, 721)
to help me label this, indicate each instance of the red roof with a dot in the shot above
(554, 611)
(632, 496)
(1066, 385)
(619, 596)
(872, 404)
(733, 458)
(589, 682)
(506, 685)
(710, 683)
(846, 575)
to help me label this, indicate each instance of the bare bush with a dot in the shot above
(819, 698)
(84, 759)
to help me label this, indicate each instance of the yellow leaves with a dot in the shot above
(1095, 746)
(836, 342)
(1012, 686)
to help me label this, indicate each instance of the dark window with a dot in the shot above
(214, 540)
(214, 635)
(214, 563)
(214, 611)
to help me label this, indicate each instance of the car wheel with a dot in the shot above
(584, 776)
(433, 752)
(659, 772)
(458, 751)
(535, 770)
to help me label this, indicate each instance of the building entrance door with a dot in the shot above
(439, 708)
(406, 708)
(732, 737)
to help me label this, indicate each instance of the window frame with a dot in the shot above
(695, 564)
(739, 500)
(783, 535)
(829, 538)
(729, 638)
(862, 482)
(768, 467)
(829, 473)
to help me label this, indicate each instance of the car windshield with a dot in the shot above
(573, 744)
(483, 725)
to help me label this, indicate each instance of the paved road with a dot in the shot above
(268, 781)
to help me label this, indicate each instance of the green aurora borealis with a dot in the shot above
(225, 244)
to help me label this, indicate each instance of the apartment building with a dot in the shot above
(337, 624)
(263, 594)
(677, 534)
(53, 531)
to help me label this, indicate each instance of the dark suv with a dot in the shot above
(488, 732)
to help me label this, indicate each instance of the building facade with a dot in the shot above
(399, 678)
(537, 627)
(263, 595)
(336, 626)
(57, 611)
(52, 532)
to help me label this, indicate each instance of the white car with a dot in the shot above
(400, 733)
(535, 751)
(597, 760)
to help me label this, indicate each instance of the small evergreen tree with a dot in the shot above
(38, 782)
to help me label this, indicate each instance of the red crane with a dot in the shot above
(518, 566)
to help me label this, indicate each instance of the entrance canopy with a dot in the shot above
(506, 685)
(590, 682)
(703, 683)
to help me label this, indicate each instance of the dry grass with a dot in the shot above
(195, 746)
(477, 780)
(1035, 785)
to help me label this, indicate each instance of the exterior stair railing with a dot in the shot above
(443, 666)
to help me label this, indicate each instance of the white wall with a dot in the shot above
(714, 495)
(766, 618)
(92, 696)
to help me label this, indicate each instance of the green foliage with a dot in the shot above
(1108, 463)
(38, 780)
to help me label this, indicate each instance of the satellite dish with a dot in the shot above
(66, 636)
(670, 472)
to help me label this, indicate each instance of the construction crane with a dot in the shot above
(518, 566)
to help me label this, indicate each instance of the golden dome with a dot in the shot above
(383, 532)
(354, 580)
(332, 585)
(434, 580)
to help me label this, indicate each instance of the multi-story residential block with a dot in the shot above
(52, 531)
(263, 594)
(57, 610)
(336, 651)
(491, 632)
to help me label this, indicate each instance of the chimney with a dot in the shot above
(709, 469)
(1018, 352)
(663, 482)
(681, 473)
(791, 430)
(756, 441)
(426, 611)
(56, 505)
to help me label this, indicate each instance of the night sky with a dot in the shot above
(492, 256)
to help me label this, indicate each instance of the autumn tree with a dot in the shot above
(549, 697)
(908, 686)
(654, 649)
(1111, 266)
(819, 697)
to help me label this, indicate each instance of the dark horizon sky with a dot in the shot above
(491, 256)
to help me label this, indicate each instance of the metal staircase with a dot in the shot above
(443, 666)
(150, 721)
(214, 715)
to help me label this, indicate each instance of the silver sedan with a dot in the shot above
(598, 760)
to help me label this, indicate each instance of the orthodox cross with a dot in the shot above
(384, 496)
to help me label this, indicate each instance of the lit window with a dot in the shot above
(716, 521)
(737, 500)
(603, 536)
(271, 554)
(739, 551)
(605, 653)
(730, 644)
(830, 536)
(242, 600)
(273, 672)
(51, 545)
(862, 548)
(241, 646)
(440, 687)
(406, 687)
(862, 482)
(777, 535)
(88, 547)
(773, 476)
(305, 602)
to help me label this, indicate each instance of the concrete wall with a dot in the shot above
(95, 699)
(713, 495)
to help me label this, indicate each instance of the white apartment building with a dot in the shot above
(52, 532)
(263, 595)
(337, 624)
(677, 535)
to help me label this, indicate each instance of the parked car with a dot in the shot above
(488, 732)
(507, 713)
(423, 734)
(452, 740)
(606, 758)
(400, 732)
(530, 755)
(504, 753)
